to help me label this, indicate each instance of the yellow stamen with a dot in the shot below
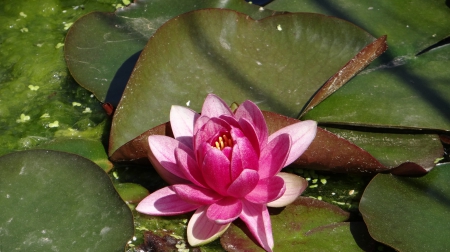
(222, 142)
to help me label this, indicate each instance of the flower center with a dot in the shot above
(223, 141)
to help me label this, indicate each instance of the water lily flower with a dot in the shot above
(225, 166)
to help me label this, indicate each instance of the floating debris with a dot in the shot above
(33, 88)
(54, 124)
(23, 118)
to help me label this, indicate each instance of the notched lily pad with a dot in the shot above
(307, 225)
(101, 48)
(409, 214)
(56, 201)
(278, 62)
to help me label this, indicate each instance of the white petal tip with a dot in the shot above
(295, 185)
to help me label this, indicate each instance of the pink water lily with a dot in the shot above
(225, 166)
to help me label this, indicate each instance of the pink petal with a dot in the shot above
(250, 132)
(274, 155)
(225, 210)
(295, 185)
(196, 195)
(201, 230)
(188, 166)
(244, 183)
(302, 134)
(164, 202)
(215, 107)
(244, 156)
(211, 130)
(267, 190)
(182, 122)
(216, 171)
(250, 111)
(162, 157)
(230, 120)
(236, 162)
(200, 122)
(257, 219)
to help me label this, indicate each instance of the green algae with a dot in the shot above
(36, 89)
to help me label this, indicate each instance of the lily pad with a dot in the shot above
(306, 225)
(56, 201)
(415, 93)
(278, 62)
(87, 148)
(409, 214)
(102, 48)
(411, 26)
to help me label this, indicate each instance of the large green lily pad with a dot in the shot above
(305, 225)
(278, 62)
(56, 201)
(102, 48)
(413, 94)
(409, 214)
(411, 26)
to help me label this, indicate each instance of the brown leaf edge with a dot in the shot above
(354, 66)
(327, 152)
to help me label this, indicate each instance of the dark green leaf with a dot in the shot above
(409, 214)
(102, 48)
(278, 62)
(56, 201)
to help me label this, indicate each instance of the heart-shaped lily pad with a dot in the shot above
(56, 201)
(305, 225)
(278, 62)
(409, 214)
(101, 48)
